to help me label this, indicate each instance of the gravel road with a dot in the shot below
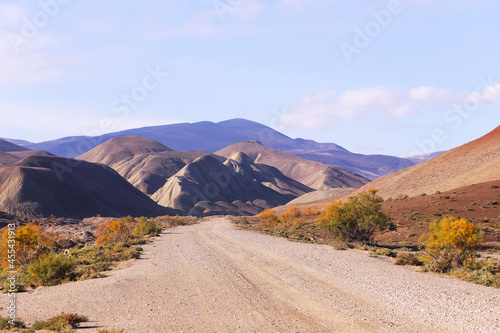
(213, 277)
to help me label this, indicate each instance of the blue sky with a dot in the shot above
(394, 77)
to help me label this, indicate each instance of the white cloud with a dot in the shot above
(490, 94)
(324, 109)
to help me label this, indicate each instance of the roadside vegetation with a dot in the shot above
(447, 245)
(64, 323)
(45, 258)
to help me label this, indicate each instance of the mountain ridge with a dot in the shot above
(211, 137)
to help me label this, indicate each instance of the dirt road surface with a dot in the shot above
(213, 277)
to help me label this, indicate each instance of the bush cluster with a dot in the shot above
(268, 218)
(356, 219)
(41, 262)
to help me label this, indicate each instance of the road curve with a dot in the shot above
(213, 277)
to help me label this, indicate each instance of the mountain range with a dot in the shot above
(230, 181)
(212, 137)
(136, 175)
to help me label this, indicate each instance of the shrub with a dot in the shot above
(241, 220)
(178, 221)
(357, 219)
(402, 197)
(30, 243)
(64, 322)
(113, 231)
(414, 216)
(107, 330)
(5, 325)
(385, 252)
(483, 276)
(407, 259)
(310, 211)
(451, 243)
(292, 214)
(49, 270)
(268, 218)
(145, 227)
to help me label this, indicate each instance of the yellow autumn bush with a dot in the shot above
(311, 211)
(114, 231)
(292, 214)
(268, 218)
(30, 241)
(452, 242)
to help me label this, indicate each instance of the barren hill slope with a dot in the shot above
(28, 153)
(7, 158)
(266, 175)
(8, 146)
(122, 148)
(475, 162)
(41, 185)
(316, 175)
(145, 163)
(208, 180)
(16, 153)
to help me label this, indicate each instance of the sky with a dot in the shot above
(397, 77)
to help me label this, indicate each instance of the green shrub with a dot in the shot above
(49, 270)
(93, 260)
(145, 227)
(483, 276)
(178, 221)
(6, 325)
(19, 283)
(357, 219)
(405, 258)
(386, 252)
(64, 322)
(414, 216)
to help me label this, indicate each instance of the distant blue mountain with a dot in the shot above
(204, 135)
(211, 137)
